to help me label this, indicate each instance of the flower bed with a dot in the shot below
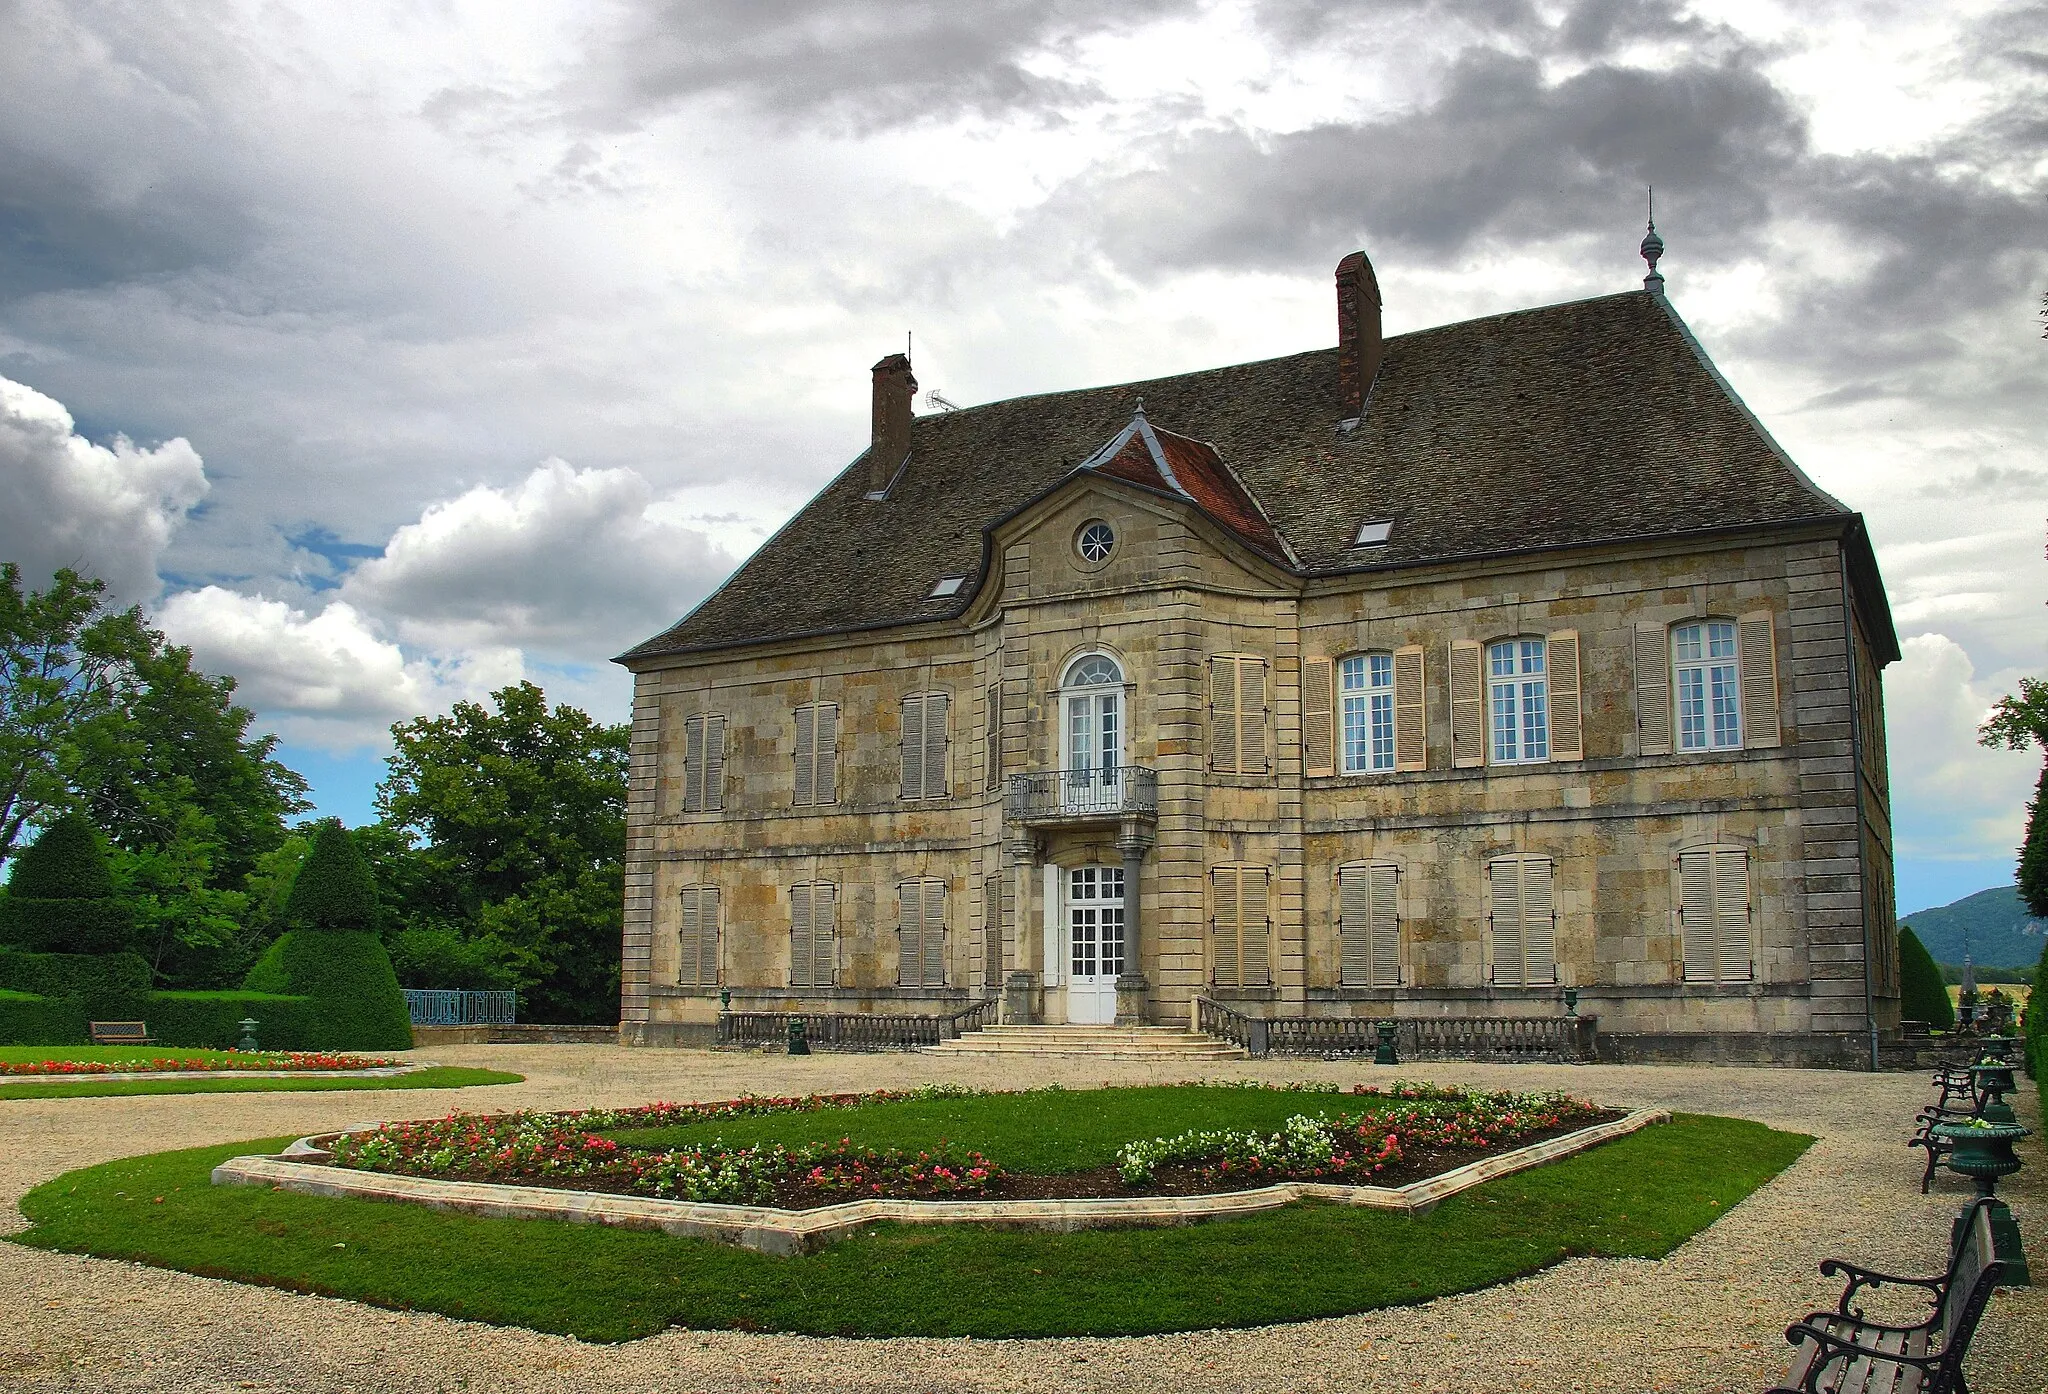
(226, 1060)
(1403, 1133)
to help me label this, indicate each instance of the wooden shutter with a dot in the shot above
(934, 942)
(1385, 914)
(806, 755)
(693, 764)
(801, 936)
(1251, 716)
(826, 786)
(992, 737)
(1731, 916)
(1759, 680)
(911, 747)
(1223, 724)
(1505, 890)
(1411, 729)
(1696, 915)
(910, 933)
(1468, 704)
(818, 933)
(714, 763)
(1567, 723)
(936, 707)
(1539, 923)
(1318, 716)
(1354, 926)
(1227, 923)
(1256, 929)
(992, 932)
(690, 935)
(1653, 690)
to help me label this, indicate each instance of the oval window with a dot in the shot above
(1095, 541)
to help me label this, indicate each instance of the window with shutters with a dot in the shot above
(1518, 701)
(924, 745)
(992, 736)
(1237, 715)
(1368, 925)
(992, 933)
(1714, 915)
(921, 933)
(1522, 921)
(1706, 685)
(813, 934)
(817, 753)
(1241, 926)
(704, 763)
(1365, 683)
(697, 938)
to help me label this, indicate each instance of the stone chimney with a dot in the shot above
(1359, 346)
(895, 388)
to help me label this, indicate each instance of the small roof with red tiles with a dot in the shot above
(1183, 467)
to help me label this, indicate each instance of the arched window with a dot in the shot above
(1365, 685)
(1091, 730)
(1093, 670)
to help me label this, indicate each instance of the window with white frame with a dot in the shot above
(1706, 671)
(1366, 684)
(1518, 701)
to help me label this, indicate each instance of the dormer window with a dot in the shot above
(1373, 532)
(947, 585)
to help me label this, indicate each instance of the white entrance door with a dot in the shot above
(1094, 736)
(1095, 943)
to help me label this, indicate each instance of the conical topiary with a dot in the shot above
(335, 888)
(60, 898)
(332, 955)
(1923, 996)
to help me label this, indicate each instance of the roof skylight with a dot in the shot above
(947, 585)
(1373, 532)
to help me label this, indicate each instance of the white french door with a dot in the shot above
(1094, 732)
(1095, 943)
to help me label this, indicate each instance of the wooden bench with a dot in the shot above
(120, 1033)
(1841, 1352)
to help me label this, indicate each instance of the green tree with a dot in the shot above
(1922, 994)
(514, 826)
(2017, 722)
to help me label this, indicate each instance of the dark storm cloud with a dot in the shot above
(1502, 153)
(871, 65)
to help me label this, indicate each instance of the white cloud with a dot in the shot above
(1952, 799)
(568, 562)
(106, 510)
(325, 678)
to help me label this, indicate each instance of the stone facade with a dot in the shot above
(886, 818)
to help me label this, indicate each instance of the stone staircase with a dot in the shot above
(1097, 1042)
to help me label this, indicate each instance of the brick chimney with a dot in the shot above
(1359, 347)
(894, 390)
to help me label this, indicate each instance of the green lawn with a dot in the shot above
(87, 1087)
(1039, 1131)
(118, 1054)
(1638, 1196)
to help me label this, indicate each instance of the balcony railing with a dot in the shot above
(1052, 795)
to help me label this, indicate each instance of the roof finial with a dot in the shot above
(1141, 406)
(1652, 249)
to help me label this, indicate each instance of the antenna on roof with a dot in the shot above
(935, 398)
(1652, 249)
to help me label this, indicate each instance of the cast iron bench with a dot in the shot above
(1954, 1081)
(1840, 1352)
(120, 1033)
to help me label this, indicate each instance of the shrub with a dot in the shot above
(91, 978)
(61, 898)
(213, 1020)
(28, 1019)
(1922, 996)
(335, 889)
(356, 1003)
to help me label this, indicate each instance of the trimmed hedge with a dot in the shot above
(213, 1020)
(27, 1019)
(335, 889)
(90, 977)
(60, 895)
(357, 1004)
(1922, 994)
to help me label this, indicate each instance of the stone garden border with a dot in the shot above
(772, 1230)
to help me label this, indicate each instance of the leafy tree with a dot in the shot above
(510, 822)
(2017, 722)
(1922, 994)
(61, 897)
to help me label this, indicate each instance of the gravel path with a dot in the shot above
(1710, 1317)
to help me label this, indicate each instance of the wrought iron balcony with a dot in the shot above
(1058, 796)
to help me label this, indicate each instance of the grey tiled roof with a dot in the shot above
(1593, 421)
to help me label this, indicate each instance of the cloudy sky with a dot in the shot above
(390, 353)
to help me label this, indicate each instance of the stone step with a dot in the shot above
(1113, 1042)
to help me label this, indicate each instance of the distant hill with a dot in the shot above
(1992, 926)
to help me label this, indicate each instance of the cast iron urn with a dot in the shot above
(1983, 1151)
(248, 1041)
(799, 1038)
(1386, 1055)
(1994, 1081)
